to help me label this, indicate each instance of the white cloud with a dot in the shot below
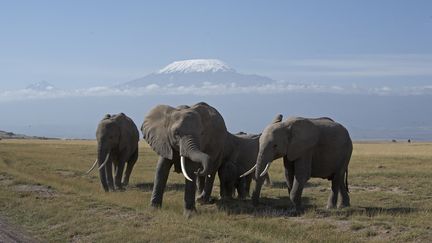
(356, 66)
(206, 89)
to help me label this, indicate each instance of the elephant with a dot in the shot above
(191, 139)
(240, 154)
(117, 137)
(318, 147)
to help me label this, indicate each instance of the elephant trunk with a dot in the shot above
(189, 148)
(262, 165)
(103, 158)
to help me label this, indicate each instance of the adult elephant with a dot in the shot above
(192, 139)
(317, 147)
(117, 137)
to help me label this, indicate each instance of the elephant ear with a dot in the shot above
(302, 136)
(155, 130)
(278, 118)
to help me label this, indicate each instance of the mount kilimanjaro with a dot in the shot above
(197, 72)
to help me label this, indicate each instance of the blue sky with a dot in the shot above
(87, 43)
(367, 64)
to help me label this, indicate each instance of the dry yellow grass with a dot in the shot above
(43, 188)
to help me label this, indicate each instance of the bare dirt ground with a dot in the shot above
(10, 234)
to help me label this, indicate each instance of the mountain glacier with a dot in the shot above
(196, 66)
(197, 72)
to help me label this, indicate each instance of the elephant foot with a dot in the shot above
(119, 188)
(205, 200)
(110, 188)
(255, 202)
(296, 212)
(343, 205)
(189, 213)
(227, 199)
(155, 205)
(330, 206)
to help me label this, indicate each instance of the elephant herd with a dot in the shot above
(196, 141)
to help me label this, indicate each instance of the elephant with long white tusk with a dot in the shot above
(318, 147)
(117, 137)
(191, 139)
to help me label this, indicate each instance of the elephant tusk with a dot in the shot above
(182, 163)
(265, 170)
(93, 166)
(106, 160)
(249, 171)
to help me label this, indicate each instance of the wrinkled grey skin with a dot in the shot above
(310, 148)
(240, 154)
(119, 136)
(197, 133)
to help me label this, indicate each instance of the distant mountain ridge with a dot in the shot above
(197, 72)
(41, 86)
(11, 135)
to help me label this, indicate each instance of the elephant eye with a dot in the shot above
(274, 145)
(176, 134)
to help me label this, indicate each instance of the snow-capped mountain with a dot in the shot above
(197, 72)
(41, 86)
(196, 66)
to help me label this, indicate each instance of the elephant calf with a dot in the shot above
(117, 137)
(310, 148)
(240, 153)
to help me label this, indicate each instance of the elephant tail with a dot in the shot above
(346, 180)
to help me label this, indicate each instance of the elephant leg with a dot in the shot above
(204, 197)
(222, 183)
(200, 184)
(189, 196)
(247, 185)
(109, 174)
(161, 176)
(343, 191)
(289, 173)
(241, 188)
(103, 178)
(118, 175)
(115, 170)
(297, 191)
(130, 164)
(190, 190)
(335, 185)
(267, 180)
(228, 189)
(302, 173)
(256, 193)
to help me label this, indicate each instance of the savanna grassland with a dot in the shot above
(43, 189)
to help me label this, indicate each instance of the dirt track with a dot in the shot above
(9, 233)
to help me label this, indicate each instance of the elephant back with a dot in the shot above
(129, 131)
